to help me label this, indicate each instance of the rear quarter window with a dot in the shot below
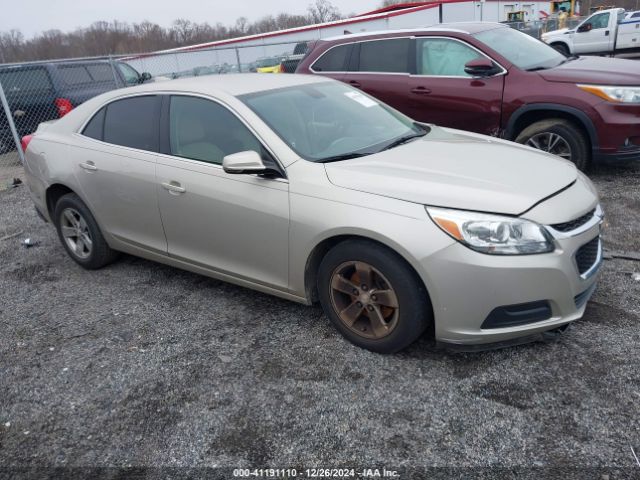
(133, 122)
(333, 60)
(94, 129)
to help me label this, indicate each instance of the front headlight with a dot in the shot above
(614, 94)
(493, 234)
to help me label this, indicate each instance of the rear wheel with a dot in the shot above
(80, 235)
(559, 137)
(372, 296)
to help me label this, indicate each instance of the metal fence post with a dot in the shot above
(238, 60)
(12, 126)
(113, 70)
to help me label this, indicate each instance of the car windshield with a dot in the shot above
(522, 50)
(331, 121)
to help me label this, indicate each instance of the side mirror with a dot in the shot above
(244, 162)
(480, 67)
(145, 77)
(585, 27)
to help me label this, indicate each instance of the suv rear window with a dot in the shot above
(15, 81)
(333, 60)
(385, 56)
(133, 122)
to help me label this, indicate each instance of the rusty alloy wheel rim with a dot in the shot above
(364, 300)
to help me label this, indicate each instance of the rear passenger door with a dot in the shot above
(441, 92)
(115, 161)
(381, 68)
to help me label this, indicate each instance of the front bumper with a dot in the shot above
(469, 286)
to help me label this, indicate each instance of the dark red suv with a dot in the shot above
(491, 79)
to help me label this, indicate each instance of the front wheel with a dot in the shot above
(559, 137)
(372, 296)
(562, 48)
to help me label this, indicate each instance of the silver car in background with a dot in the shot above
(305, 188)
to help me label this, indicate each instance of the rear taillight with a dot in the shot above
(281, 69)
(25, 142)
(64, 106)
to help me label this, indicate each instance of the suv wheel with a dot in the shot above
(559, 137)
(80, 235)
(372, 296)
(562, 48)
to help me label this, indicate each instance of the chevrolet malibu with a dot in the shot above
(311, 190)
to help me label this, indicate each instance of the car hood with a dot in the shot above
(595, 70)
(455, 169)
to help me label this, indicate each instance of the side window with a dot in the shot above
(101, 72)
(443, 57)
(74, 74)
(95, 127)
(599, 21)
(133, 122)
(333, 60)
(201, 129)
(385, 56)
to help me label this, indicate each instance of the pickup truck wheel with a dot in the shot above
(80, 235)
(372, 296)
(562, 48)
(559, 137)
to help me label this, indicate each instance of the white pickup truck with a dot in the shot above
(606, 31)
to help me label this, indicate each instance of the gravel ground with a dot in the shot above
(143, 365)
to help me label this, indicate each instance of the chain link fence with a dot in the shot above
(36, 92)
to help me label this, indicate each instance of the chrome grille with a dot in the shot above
(575, 223)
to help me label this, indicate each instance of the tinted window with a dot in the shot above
(74, 75)
(442, 57)
(95, 126)
(333, 60)
(133, 122)
(24, 80)
(385, 56)
(101, 72)
(204, 130)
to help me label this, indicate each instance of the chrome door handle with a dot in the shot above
(173, 187)
(89, 166)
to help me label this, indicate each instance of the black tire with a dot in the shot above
(562, 48)
(572, 135)
(100, 254)
(414, 313)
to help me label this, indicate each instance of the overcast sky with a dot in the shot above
(34, 16)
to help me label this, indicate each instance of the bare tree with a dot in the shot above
(322, 11)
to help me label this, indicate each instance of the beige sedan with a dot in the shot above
(305, 188)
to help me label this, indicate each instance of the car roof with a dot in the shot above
(232, 84)
(455, 27)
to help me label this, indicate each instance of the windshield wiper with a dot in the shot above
(343, 156)
(404, 139)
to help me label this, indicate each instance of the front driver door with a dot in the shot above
(234, 224)
(598, 38)
(441, 92)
